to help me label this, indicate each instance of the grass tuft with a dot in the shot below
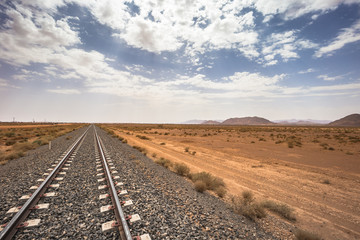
(200, 186)
(245, 205)
(166, 163)
(181, 169)
(305, 235)
(280, 209)
(211, 181)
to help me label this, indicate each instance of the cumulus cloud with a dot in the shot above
(291, 9)
(346, 36)
(30, 37)
(283, 45)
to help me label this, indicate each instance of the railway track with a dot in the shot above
(78, 204)
(104, 171)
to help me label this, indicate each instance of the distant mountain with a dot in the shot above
(195, 121)
(211, 122)
(352, 120)
(247, 121)
(302, 122)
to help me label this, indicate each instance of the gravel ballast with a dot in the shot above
(168, 205)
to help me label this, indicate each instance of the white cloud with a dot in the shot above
(283, 45)
(33, 36)
(200, 26)
(291, 9)
(327, 78)
(309, 70)
(64, 91)
(346, 36)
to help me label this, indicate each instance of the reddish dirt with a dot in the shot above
(322, 185)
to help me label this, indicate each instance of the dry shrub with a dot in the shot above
(141, 149)
(10, 142)
(181, 169)
(220, 191)
(246, 206)
(281, 209)
(200, 186)
(211, 181)
(305, 235)
(164, 162)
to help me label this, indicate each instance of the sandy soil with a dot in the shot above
(322, 185)
(31, 125)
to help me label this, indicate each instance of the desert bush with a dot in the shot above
(193, 153)
(326, 181)
(220, 191)
(10, 134)
(154, 155)
(305, 235)
(211, 181)
(200, 186)
(246, 206)
(37, 142)
(10, 142)
(141, 149)
(143, 137)
(164, 162)
(162, 143)
(281, 209)
(181, 169)
(186, 149)
(22, 147)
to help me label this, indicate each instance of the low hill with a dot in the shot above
(247, 121)
(352, 120)
(211, 122)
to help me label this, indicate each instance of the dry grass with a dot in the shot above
(200, 186)
(305, 235)
(164, 162)
(211, 182)
(247, 206)
(20, 138)
(182, 169)
(141, 149)
(280, 209)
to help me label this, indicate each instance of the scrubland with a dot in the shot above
(308, 176)
(18, 138)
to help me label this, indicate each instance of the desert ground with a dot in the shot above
(17, 138)
(314, 170)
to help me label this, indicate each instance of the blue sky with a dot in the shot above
(171, 61)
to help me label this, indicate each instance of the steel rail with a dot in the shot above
(10, 229)
(120, 217)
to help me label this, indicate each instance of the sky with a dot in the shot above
(157, 61)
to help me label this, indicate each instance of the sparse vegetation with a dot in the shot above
(200, 186)
(247, 206)
(326, 181)
(143, 137)
(141, 149)
(23, 137)
(305, 235)
(181, 169)
(211, 182)
(280, 209)
(164, 162)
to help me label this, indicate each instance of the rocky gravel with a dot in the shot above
(168, 205)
